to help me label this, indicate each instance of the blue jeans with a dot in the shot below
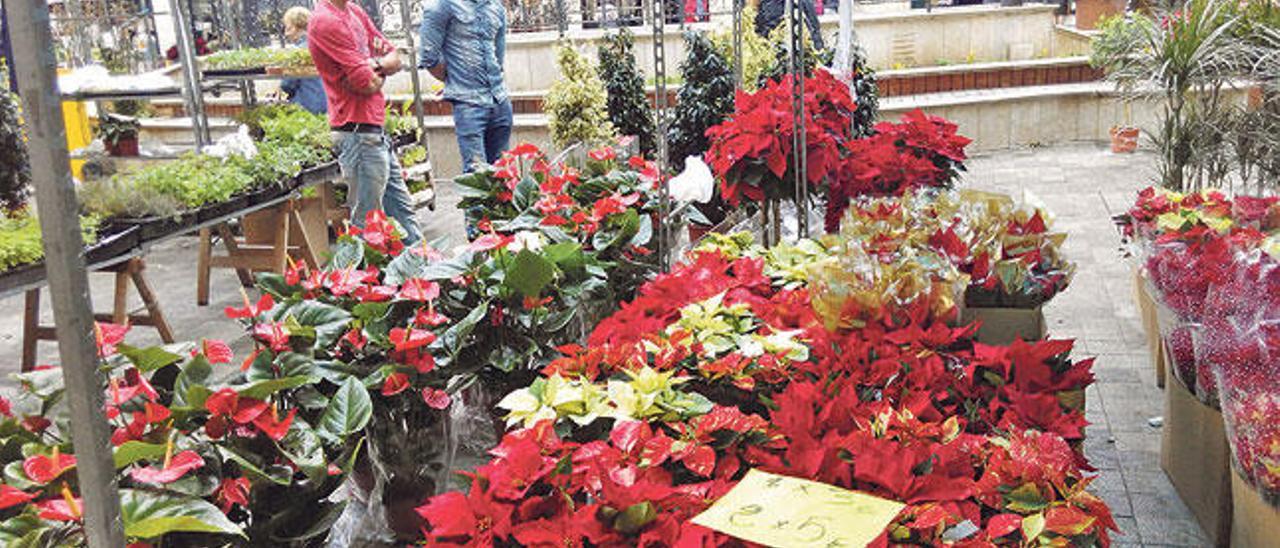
(374, 180)
(484, 132)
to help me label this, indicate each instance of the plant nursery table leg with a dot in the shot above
(203, 268)
(233, 249)
(30, 329)
(155, 316)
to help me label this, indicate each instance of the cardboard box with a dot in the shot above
(1255, 522)
(1195, 456)
(1001, 326)
(1150, 326)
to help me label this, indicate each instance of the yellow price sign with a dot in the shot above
(782, 512)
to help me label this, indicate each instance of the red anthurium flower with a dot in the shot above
(534, 303)
(107, 336)
(436, 398)
(11, 496)
(421, 360)
(248, 361)
(355, 338)
(215, 351)
(419, 290)
(410, 339)
(233, 491)
(603, 154)
(227, 404)
(395, 384)
(43, 469)
(274, 429)
(264, 304)
(35, 424)
(151, 414)
(173, 470)
(274, 334)
(63, 509)
(488, 242)
(374, 293)
(430, 318)
(6, 408)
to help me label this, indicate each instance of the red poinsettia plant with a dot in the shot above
(921, 151)
(973, 438)
(751, 152)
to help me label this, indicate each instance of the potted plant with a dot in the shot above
(119, 134)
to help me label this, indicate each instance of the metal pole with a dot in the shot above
(192, 91)
(36, 66)
(737, 43)
(660, 113)
(562, 18)
(799, 145)
(418, 106)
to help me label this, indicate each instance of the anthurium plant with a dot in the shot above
(723, 365)
(200, 462)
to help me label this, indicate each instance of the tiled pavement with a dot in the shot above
(1084, 185)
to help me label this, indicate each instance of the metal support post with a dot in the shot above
(36, 68)
(737, 43)
(799, 145)
(659, 13)
(406, 16)
(192, 90)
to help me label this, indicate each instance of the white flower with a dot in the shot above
(527, 239)
(694, 184)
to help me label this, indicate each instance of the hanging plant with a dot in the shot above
(576, 102)
(705, 99)
(628, 104)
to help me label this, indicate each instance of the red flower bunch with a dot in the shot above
(751, 151)
(921, 151)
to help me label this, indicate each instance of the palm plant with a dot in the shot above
(1189, 53)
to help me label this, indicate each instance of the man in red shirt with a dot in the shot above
(354, 59)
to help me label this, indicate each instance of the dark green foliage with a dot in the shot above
(705, 99)
(867, 93)
(628, 104)
(15, 171)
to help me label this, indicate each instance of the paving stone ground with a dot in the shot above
(1082, 184)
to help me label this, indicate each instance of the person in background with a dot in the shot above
(463, 45)
(354, 59)
(307, 93)
(772, 13)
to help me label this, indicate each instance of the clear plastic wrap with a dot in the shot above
(1240, 340)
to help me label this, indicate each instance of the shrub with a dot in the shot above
(704, 101)
(628, 104)
(15, 171)
(576, 102)
(757, 54)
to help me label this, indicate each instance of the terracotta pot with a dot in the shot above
(1124, 140)
(124, 146)
(1090, 12)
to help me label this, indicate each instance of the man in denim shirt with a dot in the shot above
(463, 45)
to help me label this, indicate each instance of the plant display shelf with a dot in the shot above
(129, 271)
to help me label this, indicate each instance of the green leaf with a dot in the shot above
(252, 469)
(526, 194)
(303, 447)
(368, 312)
(530, 273)
(189, 388)
(1025, 499)
(151, 515)
(149, 359)
(319, 519)
(16, 477)
(635, 517)
(348, 412)
(346, 254)
(404, 267)
(24, 531)
(567, 255)
(273, 284)
(330, 322)
(1032, 526)
(645, 232)
(448, 269)
(43, 384)
(134, 451)
(455, 337)
(260, 390)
